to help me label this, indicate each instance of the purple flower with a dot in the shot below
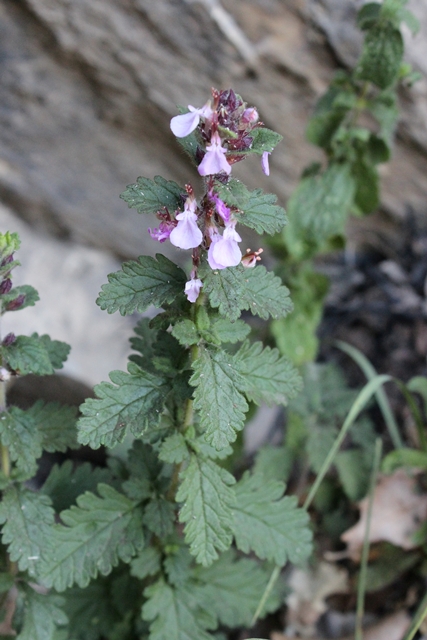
(250, 115)
(214, 160)
(225, 251)
(187, 234)
(185, 123)
(221, 207)
(192, 289)
(264, 163)
(163, 232)
(215, 237)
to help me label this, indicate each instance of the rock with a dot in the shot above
(68, 278)
(89, 87)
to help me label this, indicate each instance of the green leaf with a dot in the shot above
(56, 424)
(28, 354)
(9, 243)
(136, 402)
(149, 196)
(390, 565)
(320, 439)
(159, 517)
(384, 108)
(368, 15)
(262, 213)
(270, 525)
(353, 468)
(174, 449)
(27, 520)
(328, 115)
(142, 283)
(217, 397)
(145, 472)
(19, 433)
(207, 508)
(230, 589)
(96, 534)
(381, 55)
(268, 377)
(366, 197)
(43, 615)
(318, 210)
(58, 351)
(147, 563)
(274, 463)
(174, 614)
(263, 139)
(178, 565)
(404, 458)
(29, 293)
(227, 331)
(65, 483)
(236, 288)
(256, 209)
(186, 332)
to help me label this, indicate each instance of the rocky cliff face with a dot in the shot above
(88, 87)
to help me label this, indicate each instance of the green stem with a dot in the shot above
(4, 451)
(361, 587)
(420, 615)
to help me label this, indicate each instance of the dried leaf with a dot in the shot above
(397, 514)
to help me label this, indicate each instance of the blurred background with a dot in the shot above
(88, 89)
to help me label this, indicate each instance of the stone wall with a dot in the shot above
(89, 86)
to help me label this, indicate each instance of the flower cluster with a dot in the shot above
(222, 127)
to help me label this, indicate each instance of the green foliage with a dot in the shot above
(207, 507)
(148, 281)
(255, 209)
(35, 354)
(65, 483)
(230, 589)
(94, 536)
(43, 615)
(217, 396)
(267, 377)
(55, 423)
(27, 293)
(381, 55)
(19, 433)
(258, 290)
(136, 402)
(270, 525)
(27, 519)
(273, 463)
(264, 139)
(149, 196)
(318, 210)
(174, 614)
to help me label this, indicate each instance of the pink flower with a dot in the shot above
(264, 163)
(163, 232)
(214, 160)
(221, 208)
(187, 234)
(225, 251)
(192, 289)
(215, 237)
(185, 123)
(250, 115)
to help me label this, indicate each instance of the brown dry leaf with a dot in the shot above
(310, 589)
(397, 513)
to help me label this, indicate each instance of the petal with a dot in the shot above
(186, 234)
(211, 260)
(227, 253)
(184, 124)
(192, 289)
(214, 162)
(264, 163)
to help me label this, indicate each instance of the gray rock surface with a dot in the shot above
(68, 278)
(88, 88)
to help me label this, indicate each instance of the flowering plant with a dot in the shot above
(157, 544)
